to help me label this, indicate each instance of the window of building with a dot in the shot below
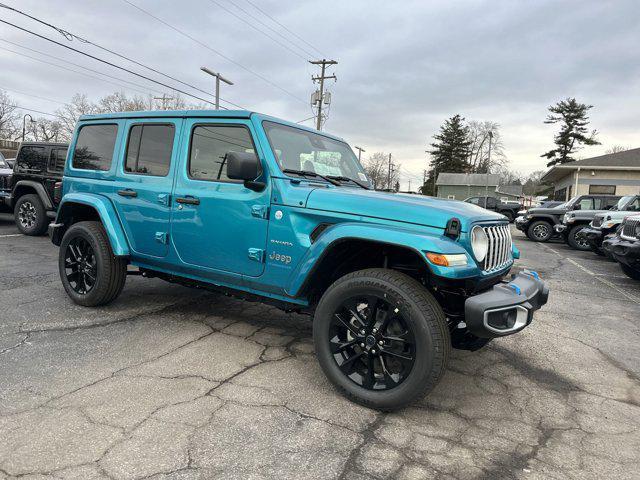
(149, 149)
(94, 147)
(560, 195)
(210, 145)
(451, 197)
(602, 189)
(56, 159)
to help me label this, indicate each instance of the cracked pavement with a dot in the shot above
(172, 383)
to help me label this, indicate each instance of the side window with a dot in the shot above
(149, 149)
(585, 204)
(474, 200)
(94, 147)
(57, 159)
(31, 159)
(598, 204)
(209, 147)
(635, 205)
(491, 202)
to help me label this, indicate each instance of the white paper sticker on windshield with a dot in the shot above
(362, 176)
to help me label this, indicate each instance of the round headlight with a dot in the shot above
(479, 243)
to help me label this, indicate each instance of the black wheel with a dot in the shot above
(540, 231)
(90, 273)
(509, 215)
(630, 271)
(381, 338)
(579, 243)
(30, 215)
(597, 250)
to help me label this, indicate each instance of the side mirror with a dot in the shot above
(245, 166)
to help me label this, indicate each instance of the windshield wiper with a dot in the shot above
(309, 173)
(347, 179)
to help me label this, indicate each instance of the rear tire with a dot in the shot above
(540, 231)
(90, 273)
(630, 271)
(509, 215)
(574, 242)
(381, 338)
(30, 215)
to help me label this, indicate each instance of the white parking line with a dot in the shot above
(12, 235)
(597, 276)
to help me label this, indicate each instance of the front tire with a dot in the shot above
(630, 271)
(540, 231)
(30, 215)
(575, 243)
(90, 273)
(381, 338)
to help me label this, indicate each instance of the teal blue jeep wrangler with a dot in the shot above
(257, 207)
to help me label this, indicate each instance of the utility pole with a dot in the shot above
(409, 185)
(389, 173)
(218, 78)
(360, 150)
(486, 185)
(320, 99)
(164, 99)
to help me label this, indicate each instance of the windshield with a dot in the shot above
(297, 149)
(623, 202)
(3, 163)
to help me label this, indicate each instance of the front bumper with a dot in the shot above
(593, 236)
(506, 308)
(623, 250)
(560, 228)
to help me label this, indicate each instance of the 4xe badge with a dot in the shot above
(286, 259)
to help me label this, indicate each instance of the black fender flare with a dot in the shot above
(42, 193)
(549, 218)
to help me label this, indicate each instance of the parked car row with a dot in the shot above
(606, 224)
(508, 209)
(31, 188)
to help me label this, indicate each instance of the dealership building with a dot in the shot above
(611, 174)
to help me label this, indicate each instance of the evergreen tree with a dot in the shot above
(573, 130)
(451, 150)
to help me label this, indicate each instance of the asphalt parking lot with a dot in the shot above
(172, 383)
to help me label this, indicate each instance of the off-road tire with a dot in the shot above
(630, 272)
(111, 270)
(37, 224)
(428, 324)
(535, 233)
(571, 239)
(597, 250)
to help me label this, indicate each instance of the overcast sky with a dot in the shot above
(403, 66)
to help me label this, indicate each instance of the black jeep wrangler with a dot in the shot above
(508, 209)
(31, 190)
(538, 223)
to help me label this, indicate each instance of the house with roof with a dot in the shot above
(458, 186)
(611, 174)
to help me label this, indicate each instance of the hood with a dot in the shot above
(550, 211)
(415, 209)
(6, 172)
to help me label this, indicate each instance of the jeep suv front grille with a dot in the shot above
(629, 229)
(499, 251)
(597, 221)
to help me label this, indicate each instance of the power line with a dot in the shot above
(208, 47)
(70, 36)
(146, 91)
(284, 27)
(36, 111)
(31, 95)
(256, 28)
(266, 25)
(112, 64)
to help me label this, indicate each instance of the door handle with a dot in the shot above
(127, 193)
(188, 200)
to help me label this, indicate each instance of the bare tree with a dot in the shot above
(119, 102)
(71, 112)
(377, 168)
(46, 130)
(479, 154)
(617, 149)
(533, 183)
(9, 117)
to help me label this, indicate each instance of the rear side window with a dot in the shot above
(210, 145)
(149, 149)
(56, 159)
(31, 159)
(94, 147)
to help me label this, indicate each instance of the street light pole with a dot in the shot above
(218, 78)
(360, 150)
(24, 124)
